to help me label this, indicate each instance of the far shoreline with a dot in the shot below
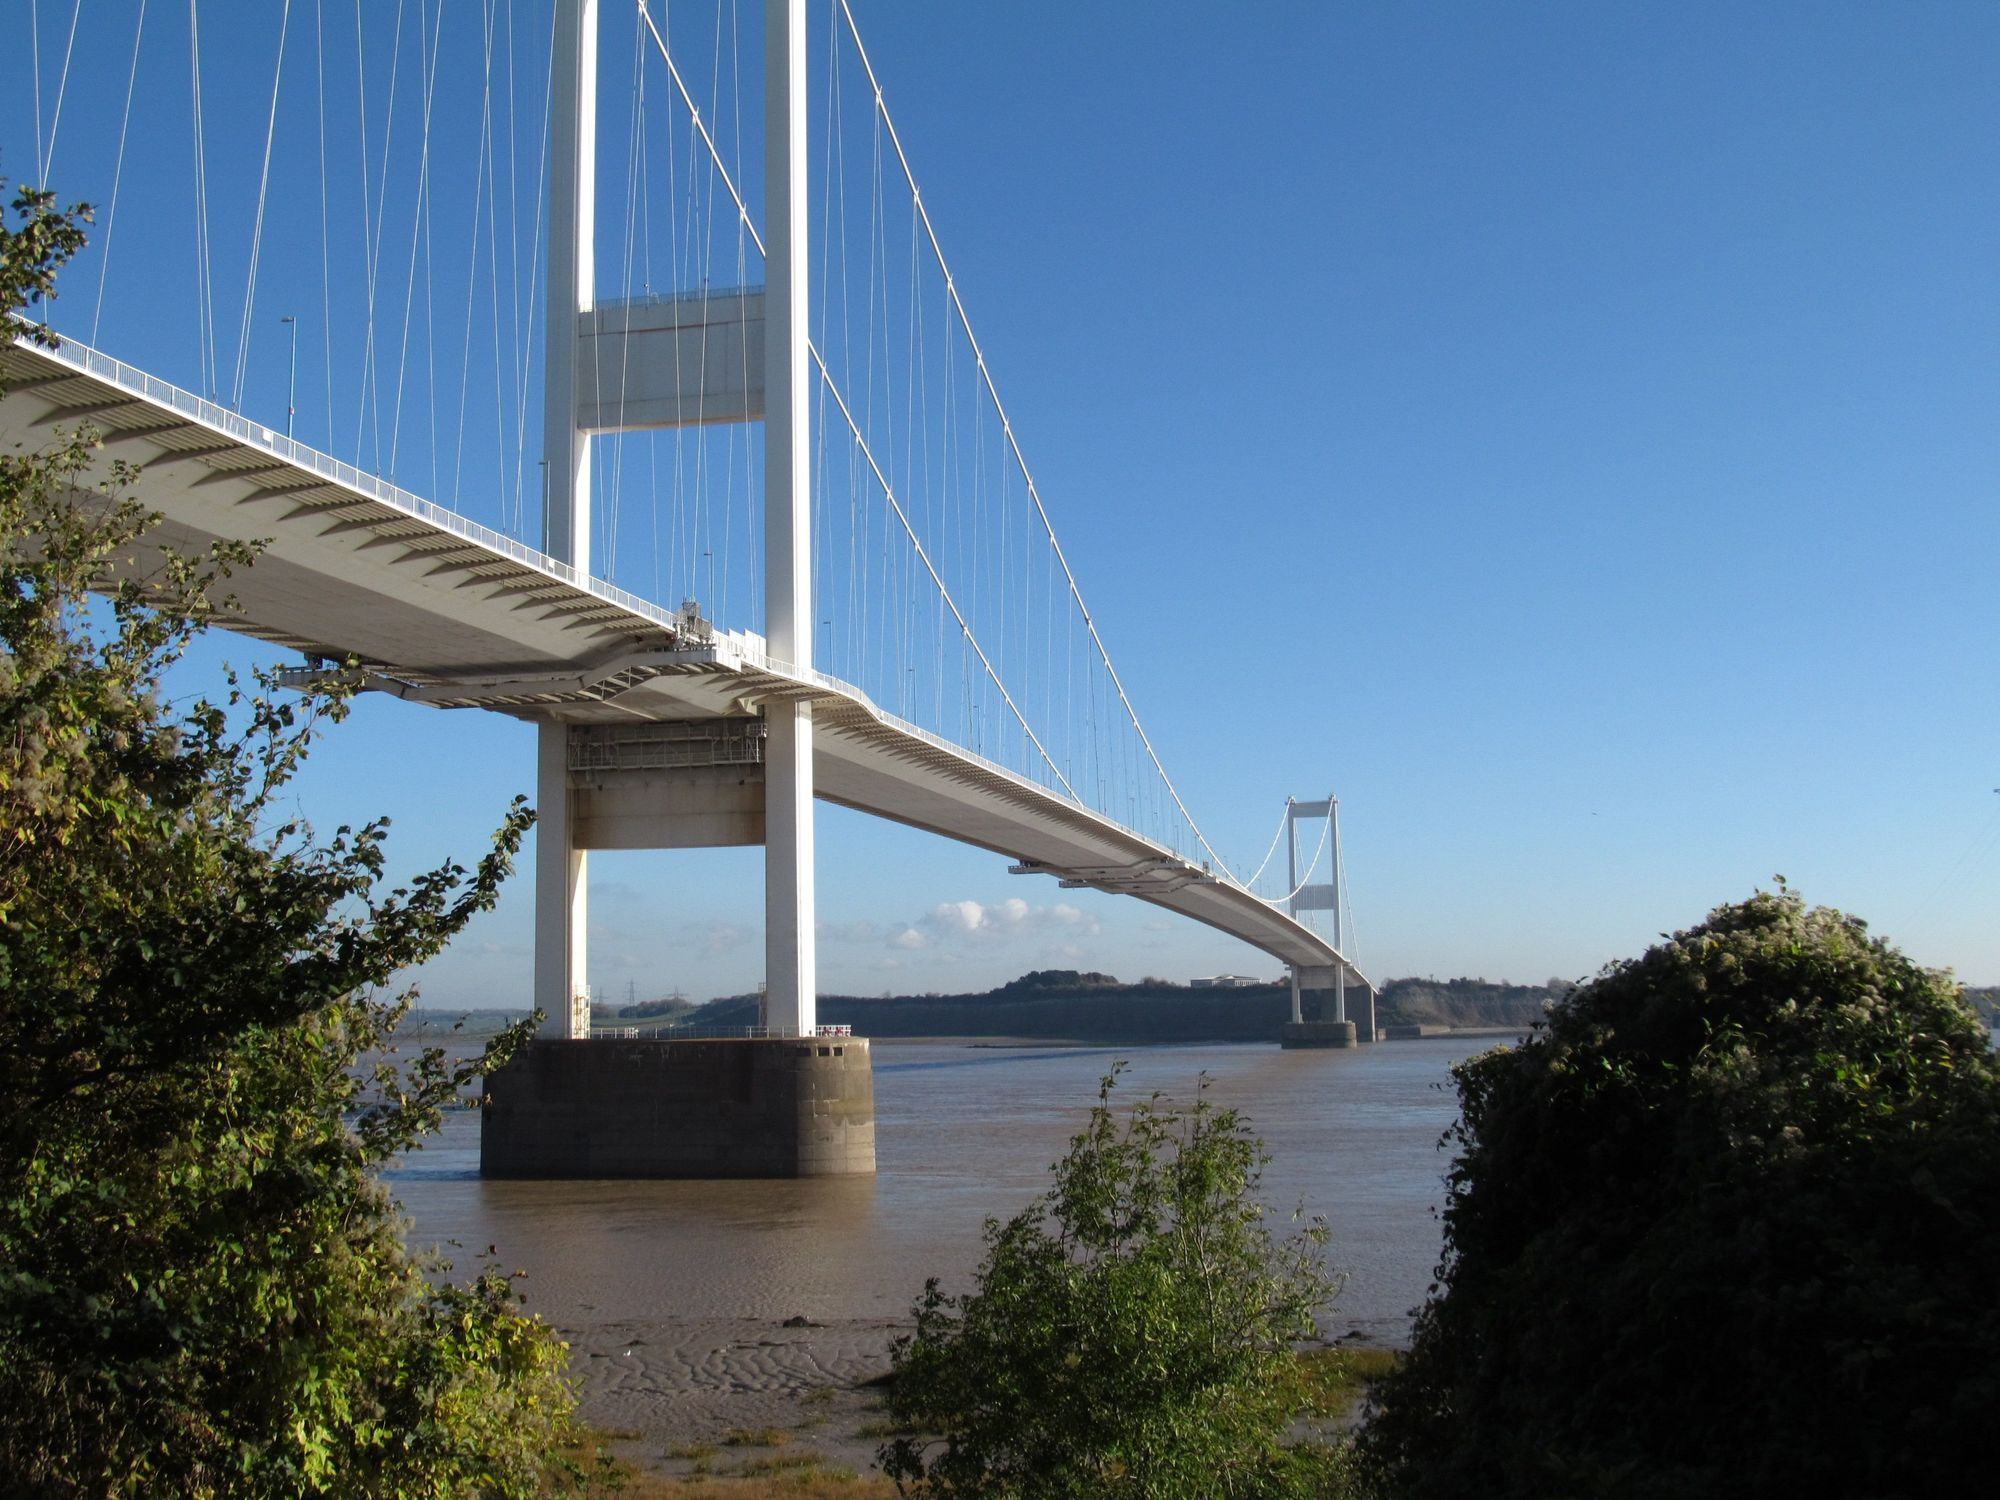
(443, 1025)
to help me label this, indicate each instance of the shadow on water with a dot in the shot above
(981, 1056)
(405, 1172)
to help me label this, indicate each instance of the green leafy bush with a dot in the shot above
(203, 1290)
(1724, 1228)
(1130, 1334)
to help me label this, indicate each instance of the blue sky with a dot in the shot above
(1566, 432)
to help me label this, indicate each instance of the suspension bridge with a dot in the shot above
(781, 422)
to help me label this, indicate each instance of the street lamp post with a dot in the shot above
(292, 387)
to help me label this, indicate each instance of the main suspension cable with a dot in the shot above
(1253, 878)
(117, 175)
(1325, 828)
(923, 556)
(257, 231)
(1007, 430)
(701, 126)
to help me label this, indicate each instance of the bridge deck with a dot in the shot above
(447, 612)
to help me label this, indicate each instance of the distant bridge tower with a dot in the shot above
(1333, 1028)
(611, 367)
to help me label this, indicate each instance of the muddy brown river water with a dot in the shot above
(963, 1131)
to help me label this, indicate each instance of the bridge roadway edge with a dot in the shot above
(709, 1107)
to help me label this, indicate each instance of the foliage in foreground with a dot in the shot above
(1130, 1333)
(1725, 1228)
(203, 1290)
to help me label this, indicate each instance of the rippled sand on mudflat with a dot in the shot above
(679, 1387)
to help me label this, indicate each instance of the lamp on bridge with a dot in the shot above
(292, 385)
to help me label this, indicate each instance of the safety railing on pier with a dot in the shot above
(715, 1033)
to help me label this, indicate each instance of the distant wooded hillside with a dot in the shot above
(1068, 1005)
(1072, 1006)
(467, 1025)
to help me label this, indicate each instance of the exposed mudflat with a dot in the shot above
(674, 1389)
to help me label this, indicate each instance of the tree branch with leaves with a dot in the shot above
(1130, 1334)
(203, 1287)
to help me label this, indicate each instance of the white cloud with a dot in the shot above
(909, 937)
(999, 922)
(956, 916)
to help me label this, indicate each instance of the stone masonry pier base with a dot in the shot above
(764, 1107)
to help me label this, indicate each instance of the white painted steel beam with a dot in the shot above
(561, 871)
(686, 361)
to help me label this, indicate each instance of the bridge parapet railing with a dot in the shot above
(102, 366)
(918, 732)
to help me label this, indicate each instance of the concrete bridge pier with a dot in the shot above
(1326, 1011)
(790, 1103)
(722, 1107)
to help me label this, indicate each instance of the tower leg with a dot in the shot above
(1339, 881)
(790, 951)
(572, 279)
(561, 912)
(790, 958)
(562, 907)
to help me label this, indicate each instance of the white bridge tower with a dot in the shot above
(613, 366)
